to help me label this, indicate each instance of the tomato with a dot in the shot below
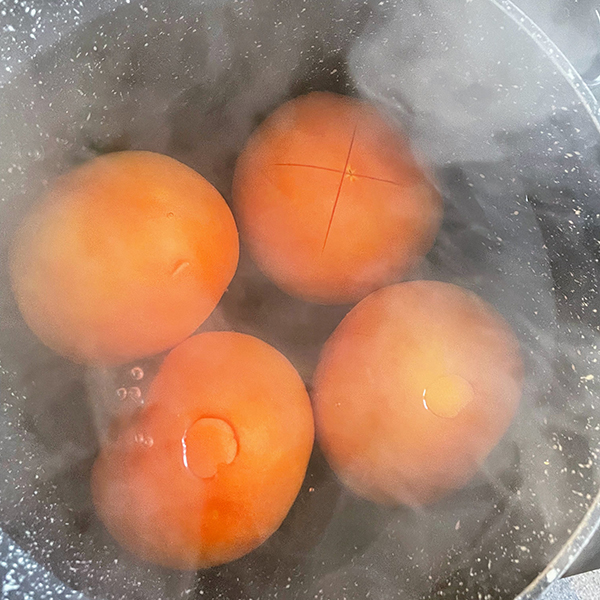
(330, 200)
(211, 465)
(124, 257)
(413, 390)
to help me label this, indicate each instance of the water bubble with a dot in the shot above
(121, 393)
(135, 394)
(447, 395)
(144, 440)
(209, 443)
(36, 154)
(137, 373)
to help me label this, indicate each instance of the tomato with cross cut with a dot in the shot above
(331, 201)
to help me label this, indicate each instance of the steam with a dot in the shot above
(488, 115)
(574, 27)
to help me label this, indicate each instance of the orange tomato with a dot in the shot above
(413, 390)
(124, 257)
(330, 200)
(211, 465)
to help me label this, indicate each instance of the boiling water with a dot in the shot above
(514, 153)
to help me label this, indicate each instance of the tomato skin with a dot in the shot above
(159, 508)
(330, 200)
(123, 258)
(373, 382)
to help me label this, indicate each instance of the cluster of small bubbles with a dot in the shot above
(133, 394)
(137, 373)
(144, 440)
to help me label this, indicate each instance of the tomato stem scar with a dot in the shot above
(180, 266)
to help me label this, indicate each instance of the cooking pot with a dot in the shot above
(511, 134)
